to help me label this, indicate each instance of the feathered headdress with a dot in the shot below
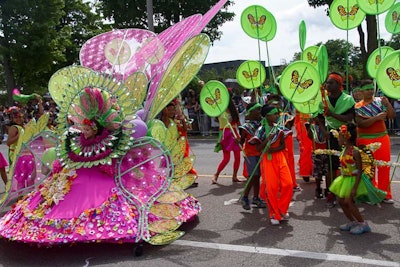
(96, 105)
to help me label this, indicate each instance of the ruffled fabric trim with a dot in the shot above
(113, 221)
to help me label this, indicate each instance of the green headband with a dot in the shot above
(273, 111)
(257, 105)
(356, 89)
(367, 87)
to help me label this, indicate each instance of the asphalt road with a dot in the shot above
(227, 235)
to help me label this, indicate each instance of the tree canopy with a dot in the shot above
(29, 43)
(125, 14)
(367, 46)
(341, 53)
(39, 37)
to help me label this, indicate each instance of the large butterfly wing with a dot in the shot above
(367, 162)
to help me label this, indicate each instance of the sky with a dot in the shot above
(235, 44)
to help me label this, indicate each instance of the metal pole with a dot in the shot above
(150, 23)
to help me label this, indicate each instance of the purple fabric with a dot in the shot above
(228, 142)
(24, 172)
(3, 161)
(171, 39)
(97, 53)
(90, 189)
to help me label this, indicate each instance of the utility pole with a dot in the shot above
(150, 23)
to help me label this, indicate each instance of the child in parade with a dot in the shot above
(317, 132)
(349, 185)
(276, 183)
(228, 124)
(338, 109)
(286, 121)
(247, 131)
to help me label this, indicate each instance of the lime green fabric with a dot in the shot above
(344, 103)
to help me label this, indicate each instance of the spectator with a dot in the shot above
(396, 106)
(193, 107)
(357, 94)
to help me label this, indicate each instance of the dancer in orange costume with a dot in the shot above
(287, 120)
(371, 113)
(305, 146)
(276, 184)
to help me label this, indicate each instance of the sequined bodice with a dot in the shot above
(347, 164)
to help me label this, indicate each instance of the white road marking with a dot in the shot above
(287, 252)
(231, 201)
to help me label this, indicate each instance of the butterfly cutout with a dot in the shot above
(395, 17)
(348, 15)
(367, 160)
(312, 59)
(301, 86)
(393, 76)
(378, 60)
(307, 83)
(309, 102)
(254, 24)
(249, 76)
(295, 77)
(371, 2)
(216, 100)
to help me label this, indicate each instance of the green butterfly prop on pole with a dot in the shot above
(214, 100)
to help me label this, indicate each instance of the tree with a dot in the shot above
(81, 24)
(366, 48)
(340, 54)
(39, 37)
(394, 42)
(125, 14)
(29, 43)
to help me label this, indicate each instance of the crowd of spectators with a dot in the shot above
(34, 108)
(199, 122)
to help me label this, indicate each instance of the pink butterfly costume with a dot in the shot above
(102, 188)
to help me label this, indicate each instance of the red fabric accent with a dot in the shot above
(249, 149)
(289, 154)
(337, 78)
(305, 149)
(245, 173)
(183, 133)
(376, 127)
(226, 158)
